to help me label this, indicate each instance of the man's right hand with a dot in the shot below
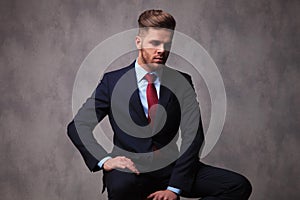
(120, 162)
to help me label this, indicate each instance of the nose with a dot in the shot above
(161, 49)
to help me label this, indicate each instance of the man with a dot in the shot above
(147, 103)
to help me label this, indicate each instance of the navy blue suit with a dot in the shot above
(182, 110)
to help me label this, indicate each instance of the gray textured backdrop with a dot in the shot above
(254, 43)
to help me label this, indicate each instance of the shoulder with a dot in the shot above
(116, 74)
(120, 71)
(175, 73)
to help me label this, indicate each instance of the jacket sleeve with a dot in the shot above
(192, 139)
(80, 129)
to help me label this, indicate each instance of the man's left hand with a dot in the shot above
(162, 195)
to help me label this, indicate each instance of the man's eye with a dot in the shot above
(155, 43)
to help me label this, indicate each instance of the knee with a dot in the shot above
(245, 187)
(121, 187)
(119, 183)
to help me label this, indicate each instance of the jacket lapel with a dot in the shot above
(136, 107)
(164, 100)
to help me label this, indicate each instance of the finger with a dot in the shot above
(151, 196)
(123, 158)
(133, 169)
(130, 165)
(122, 163)
(160, 197)
(157, 197)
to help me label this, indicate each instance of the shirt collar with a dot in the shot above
(141, 72)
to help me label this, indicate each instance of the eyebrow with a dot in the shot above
(158, 41)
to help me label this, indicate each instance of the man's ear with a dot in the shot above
(138, 42)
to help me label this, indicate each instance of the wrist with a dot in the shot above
(174, 190)
(101, 163)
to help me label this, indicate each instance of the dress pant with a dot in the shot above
(210, 183)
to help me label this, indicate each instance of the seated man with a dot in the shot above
(147, 102)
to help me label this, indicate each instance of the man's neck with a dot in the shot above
(143, 64)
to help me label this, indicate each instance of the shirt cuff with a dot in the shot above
(100, 164)
(175, 190)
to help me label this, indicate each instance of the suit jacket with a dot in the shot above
(117, 97)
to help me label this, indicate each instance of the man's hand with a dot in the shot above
(162, 195)
(120, 162)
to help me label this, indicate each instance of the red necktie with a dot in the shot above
(152, 98)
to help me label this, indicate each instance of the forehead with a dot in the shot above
(161, 34)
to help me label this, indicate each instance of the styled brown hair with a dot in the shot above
(156, 19)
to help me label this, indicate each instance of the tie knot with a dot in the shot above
(150, 77)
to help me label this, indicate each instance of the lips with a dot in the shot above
(160, 59)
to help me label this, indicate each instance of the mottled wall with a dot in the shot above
(255, 45)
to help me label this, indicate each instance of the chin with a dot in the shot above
(156, 66)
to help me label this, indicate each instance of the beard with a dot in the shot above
(153, 61)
